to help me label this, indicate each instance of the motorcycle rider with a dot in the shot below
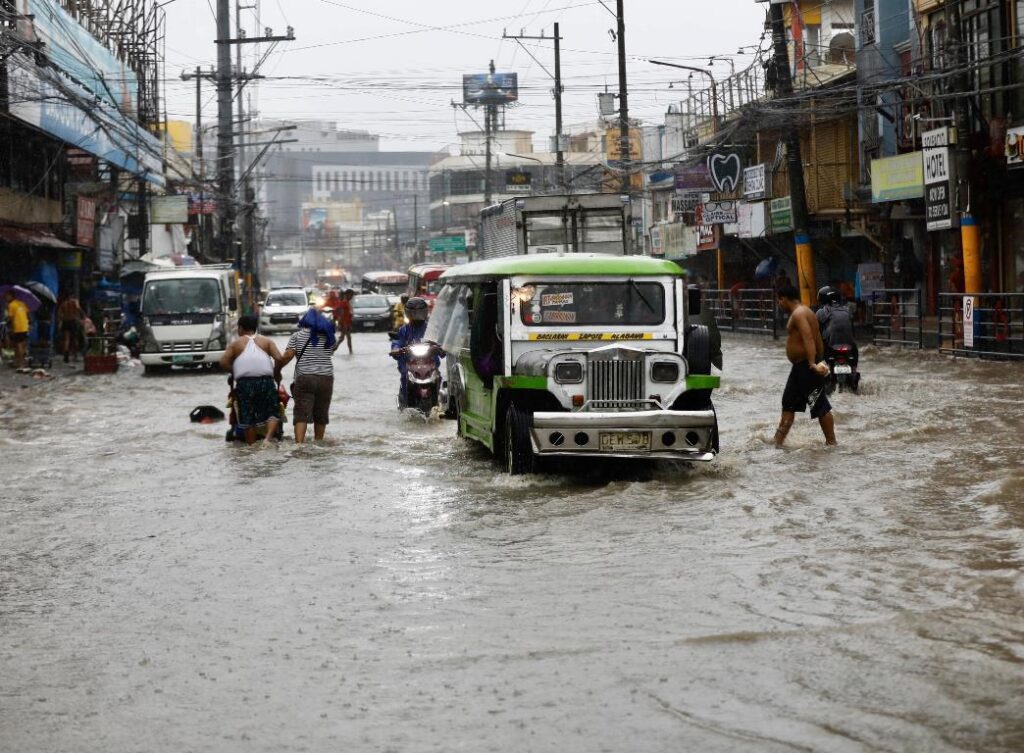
(835, 321)
(416, 311)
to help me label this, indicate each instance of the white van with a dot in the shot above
(189, 315)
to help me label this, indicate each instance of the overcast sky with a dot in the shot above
(393, 67)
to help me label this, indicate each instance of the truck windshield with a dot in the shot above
(187, 296)
(622, 303)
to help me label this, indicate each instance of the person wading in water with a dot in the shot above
(806, 383)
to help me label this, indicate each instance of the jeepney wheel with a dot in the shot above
(517, 446)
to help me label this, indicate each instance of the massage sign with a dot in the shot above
(939, 178)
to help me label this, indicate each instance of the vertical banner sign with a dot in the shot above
(968, 321)
(755, 182)
(939, 178)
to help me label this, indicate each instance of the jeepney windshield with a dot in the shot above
(624, 303)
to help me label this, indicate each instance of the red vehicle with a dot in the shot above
(425, 281)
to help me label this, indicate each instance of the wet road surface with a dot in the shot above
(390, 590)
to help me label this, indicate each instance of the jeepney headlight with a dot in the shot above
(665, 371)
(569, 372)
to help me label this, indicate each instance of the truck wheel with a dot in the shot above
(518, 448)
(698, 349)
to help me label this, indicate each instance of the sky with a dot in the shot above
(394, 67)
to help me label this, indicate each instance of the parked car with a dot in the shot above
(371, 312)
(282, 310)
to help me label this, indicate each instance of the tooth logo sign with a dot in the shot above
(725, 171)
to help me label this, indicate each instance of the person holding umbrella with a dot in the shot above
(17, 315)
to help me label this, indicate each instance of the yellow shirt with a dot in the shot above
(17, 314)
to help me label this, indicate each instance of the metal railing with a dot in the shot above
(897, 318)
(751, 310)
(998, 331)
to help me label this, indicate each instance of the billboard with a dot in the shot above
(490, 88)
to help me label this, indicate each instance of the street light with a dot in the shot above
(711, 79)
(730, 61)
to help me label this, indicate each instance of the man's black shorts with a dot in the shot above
(802, 382)
(19, 337)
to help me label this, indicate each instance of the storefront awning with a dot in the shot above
(20, 235)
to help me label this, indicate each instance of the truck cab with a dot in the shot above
(188, 316)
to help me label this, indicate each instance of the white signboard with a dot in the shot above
(752, 220)
(755, 182)
(968, 321)
(939, 178)
(716, 213)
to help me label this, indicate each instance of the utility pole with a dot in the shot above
(970, 232)
(624, 151)
(490, 116)
(225, 136)
(559, 153)
(226, 205)
(416, 227)
(797, 190)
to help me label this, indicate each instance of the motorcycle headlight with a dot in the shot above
(665, 371)
(569, 372)
(419, 350)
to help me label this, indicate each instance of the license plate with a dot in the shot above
(181, 359)
(841, 369)
(369, 325)
(625, 440)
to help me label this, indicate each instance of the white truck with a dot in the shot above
(189, 315)
(583, 223)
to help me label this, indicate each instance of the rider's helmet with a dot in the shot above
(827, 295)
(416, 310)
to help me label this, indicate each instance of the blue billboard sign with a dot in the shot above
(490, 88)
(85, 96)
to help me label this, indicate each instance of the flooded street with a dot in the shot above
(391, 590)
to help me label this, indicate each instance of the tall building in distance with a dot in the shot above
(333, 195)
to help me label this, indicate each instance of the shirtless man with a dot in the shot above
(804, 349)
(254, 362)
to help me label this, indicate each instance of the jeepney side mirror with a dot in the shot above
(693, 300)
(233, 304)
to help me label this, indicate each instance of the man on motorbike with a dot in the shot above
(416, 311)
(835, 321)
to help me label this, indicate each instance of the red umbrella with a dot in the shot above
(24, 295)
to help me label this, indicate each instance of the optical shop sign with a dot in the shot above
(939, 178)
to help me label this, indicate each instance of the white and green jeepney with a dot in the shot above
(581, 355)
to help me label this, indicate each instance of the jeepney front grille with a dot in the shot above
(615, 384)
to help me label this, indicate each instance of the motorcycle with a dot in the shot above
(423, 376)
(236, 434)
(842, 363)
